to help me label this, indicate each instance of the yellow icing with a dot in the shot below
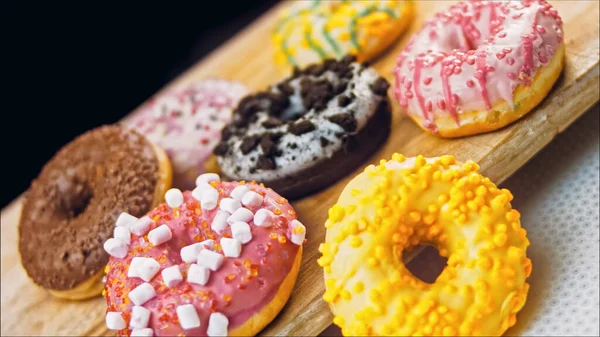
(401, 203)
(337, 28)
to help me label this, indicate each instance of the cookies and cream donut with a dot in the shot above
(312, 31)
(395, 206)
(186, 122)
(219, 260)
(71, 207)
(310, 129)
(480, 65)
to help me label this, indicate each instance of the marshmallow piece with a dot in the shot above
(146, 332)
(210, 259)
(140, 227)
(160, 234)
(142, 294)
(219, 222)
(217, 325)
(264, 218)
(140, 317)
(197, 192)
(241, 232)
(298, 232)
(125, 220)
(241, 214)
(189, 254)
(123, 234)
(229, 205)
(252, 199)
(147, 269)
(171, 276)
(209, 199)
(174, 198)
(231, 247)
(115, 321)
(239, 192)
(116, 248)
(188, 316)
(207, 178)
(134, 266)
(198, 274)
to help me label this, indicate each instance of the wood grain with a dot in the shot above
(28, 310)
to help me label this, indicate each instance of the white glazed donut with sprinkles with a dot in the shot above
(181, 274)
(186, 122)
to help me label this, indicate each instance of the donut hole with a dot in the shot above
(427, 265)
(76, 200)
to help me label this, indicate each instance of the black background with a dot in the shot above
(71, 67)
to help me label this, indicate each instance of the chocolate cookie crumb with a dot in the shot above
(324, 141)
(348, 59)
(302, 127)
(267, 145)
(316, 94)
(272, 122)
(380, 86)
(344, 100)
(221, 149)
(249, 143)
(265, 163)
(346, 121)
(285, 88)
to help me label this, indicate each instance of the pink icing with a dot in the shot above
(474, 55)
(187, 123)
(240, 288)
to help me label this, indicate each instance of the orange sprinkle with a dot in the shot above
(282, 239)
(277, 211)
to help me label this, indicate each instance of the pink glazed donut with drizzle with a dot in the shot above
(480, 65)
(219, 260)
(186, 122)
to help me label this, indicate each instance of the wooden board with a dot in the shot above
(28, 310)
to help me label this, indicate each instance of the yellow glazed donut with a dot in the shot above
(310, 31)
(400, 204)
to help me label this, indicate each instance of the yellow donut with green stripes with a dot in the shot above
(310, 31)
(404, 202)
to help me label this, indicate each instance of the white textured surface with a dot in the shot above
(557, 195)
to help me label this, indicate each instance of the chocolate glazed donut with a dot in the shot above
(309, 130)
(71, 208)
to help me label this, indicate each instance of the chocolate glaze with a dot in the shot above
(71, 207)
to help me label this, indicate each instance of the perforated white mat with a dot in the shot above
(557, 195)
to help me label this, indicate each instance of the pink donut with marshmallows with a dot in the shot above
(219, 260)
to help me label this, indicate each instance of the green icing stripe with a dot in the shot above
(362, 14)
(332, 42)
(287, 54)
(282, 23)
(313, 46)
